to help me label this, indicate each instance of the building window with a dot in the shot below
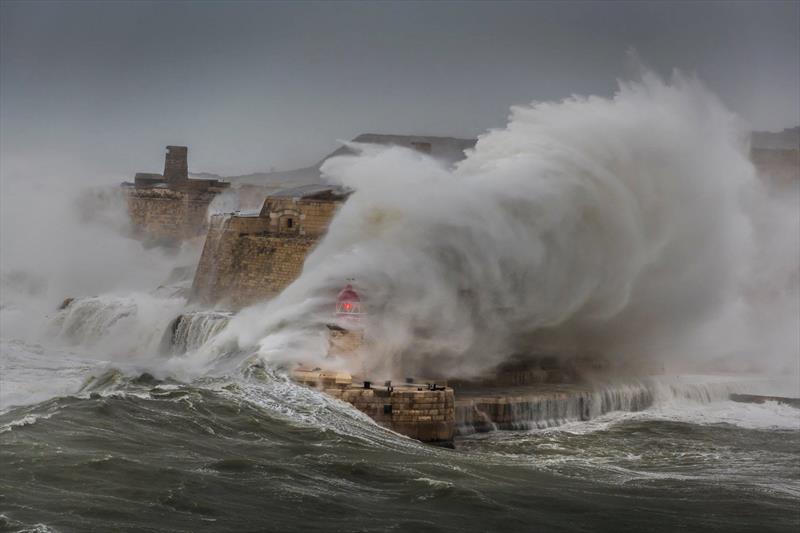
(289, 223)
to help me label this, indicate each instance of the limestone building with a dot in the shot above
(167, 208)
(250, 256)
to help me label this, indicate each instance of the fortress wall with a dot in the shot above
(780, 167)
(166, 215)
(265, 265)
(170, 208)
(250, 258)
(242, 264)
(156, 214)
(195, 220)
(216, 260)
(317, 216)
(312, 216)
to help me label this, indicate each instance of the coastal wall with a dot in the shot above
(425, 415)
(778, 167)
(410, 409)
(168, 208)
(252, 257)
(544, 406)
(242, 263)
(162, 215)
(300, 217)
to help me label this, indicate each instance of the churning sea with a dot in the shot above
(129, 452)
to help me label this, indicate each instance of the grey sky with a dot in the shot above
(253, 85)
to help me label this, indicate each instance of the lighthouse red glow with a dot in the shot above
(348, 303)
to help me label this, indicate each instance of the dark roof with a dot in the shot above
(449, 149)
(314, 191)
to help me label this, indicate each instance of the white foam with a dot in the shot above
(768, 415)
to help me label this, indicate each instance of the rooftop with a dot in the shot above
(314, 191)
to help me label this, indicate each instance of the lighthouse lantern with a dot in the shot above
(348, 303)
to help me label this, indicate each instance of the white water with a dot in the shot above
(117, 327)
(610, 223)
(700, 399)
(190, 331)
(31, 374)
(615, 225)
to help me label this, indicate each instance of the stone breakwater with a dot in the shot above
(415, 410)
(437, 414)
(544, 406)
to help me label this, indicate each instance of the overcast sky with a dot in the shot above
(249, 86)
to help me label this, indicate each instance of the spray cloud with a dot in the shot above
(592, 224)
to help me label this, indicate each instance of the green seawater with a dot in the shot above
(255, 455)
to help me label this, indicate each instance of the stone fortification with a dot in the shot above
(162, 215)
(778, 167)
(250, 256)
(516, 408)
(165, 209)
(776, 156)
(419, 411)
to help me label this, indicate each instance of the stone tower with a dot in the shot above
(176, 167)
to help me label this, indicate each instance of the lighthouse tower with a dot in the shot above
(347, 334)
(348, 304)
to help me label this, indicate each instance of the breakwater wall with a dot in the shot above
(543, 406)
(419, 411)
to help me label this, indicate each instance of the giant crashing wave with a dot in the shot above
(610, 225)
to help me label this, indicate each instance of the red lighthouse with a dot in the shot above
(348, 304)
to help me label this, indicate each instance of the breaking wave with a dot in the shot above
(554, 406)
(611, 225)
(190, 331)
(116, 326)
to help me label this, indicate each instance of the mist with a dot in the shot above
(65, 233)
